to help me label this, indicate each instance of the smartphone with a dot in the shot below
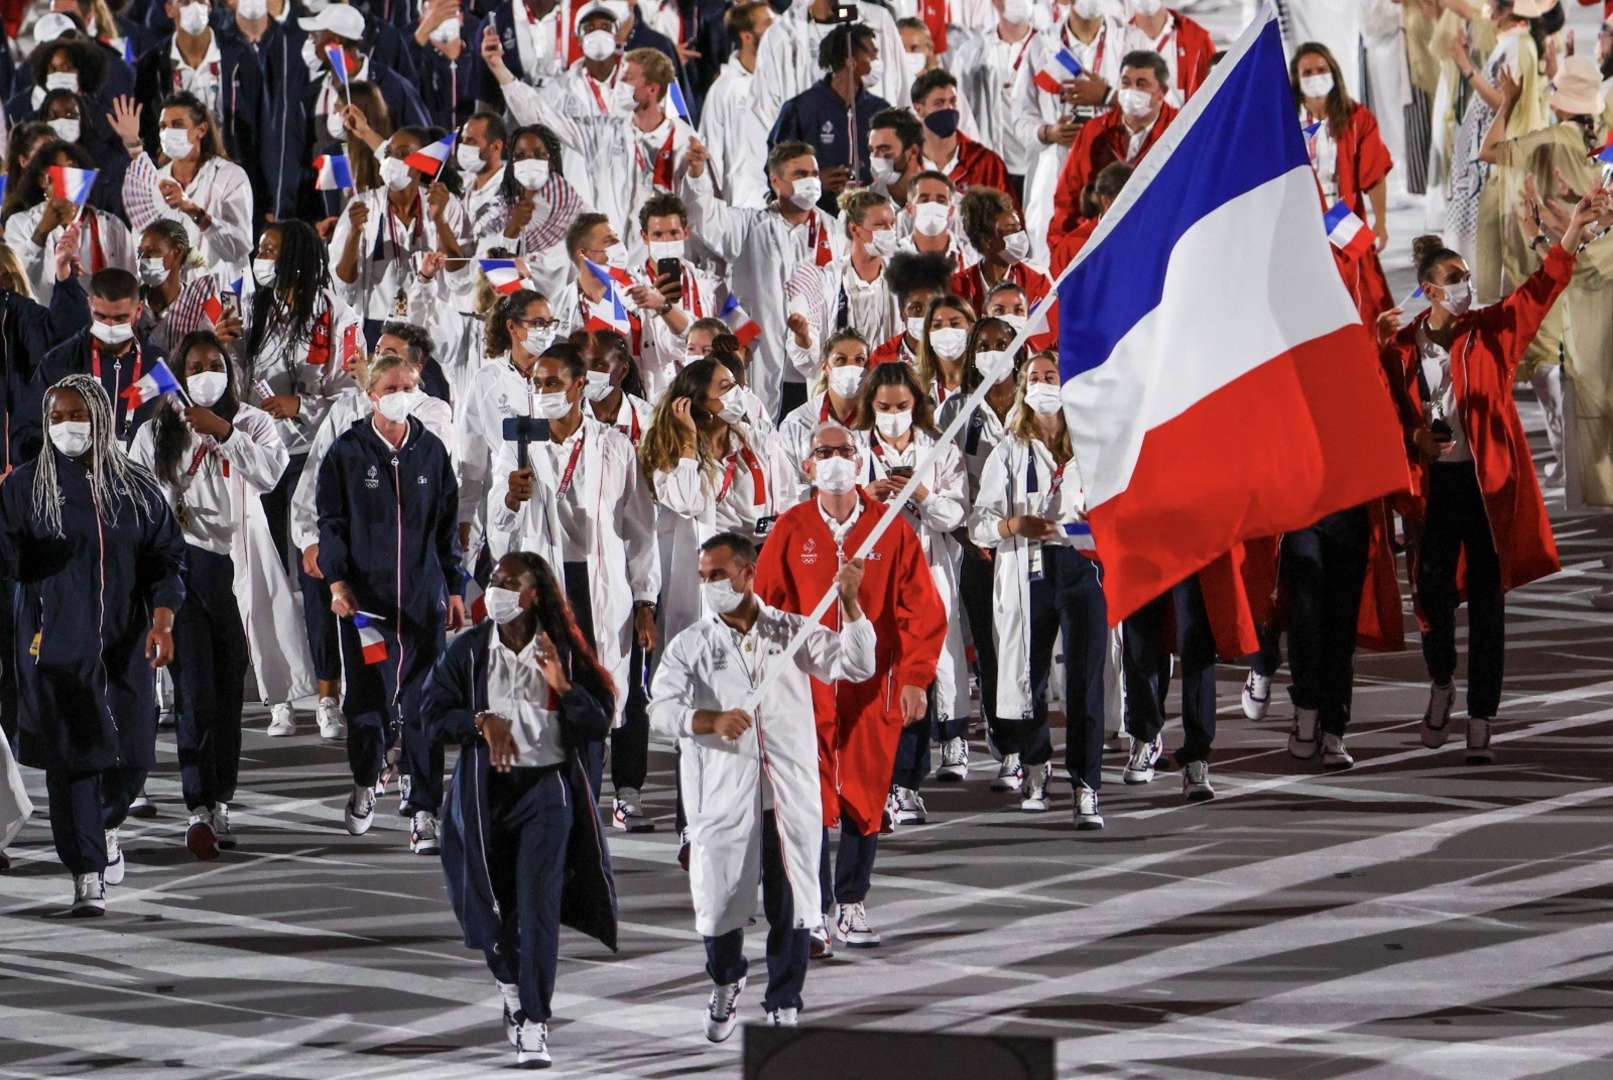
(903, 473)
(670, 268)
(1441, 430)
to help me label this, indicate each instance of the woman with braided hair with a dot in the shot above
(100, 564)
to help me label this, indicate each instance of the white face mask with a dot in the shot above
(175, 143)
(915, 327)
(599, 45)
(1016, 247)
(893, 425)
(835, 476)
(62, 80)
(876, 73)
(152, 273)
(71, 437)
(469, 159)
(193, 18)
(399, 405)
(539, 338)
(1146, 8)
(551, 405)
(806, 192)
(733, 405)
(251, 10)
(396, 174)
(263, 272)
(616, 255)
(206, 387)
(1043, 398)
(883, 242)
(930, 219)
(599, 387)
(66, 129)
(1316, 86)
(1458, 297)
(1088, 9)
(721, 597)
(883, 170)
(995, 367)
(503, 605)
(1017, 12)
(912, 64)
(621, 98)
(446, 31)
(846, 380)
(1018, 322)
(1135, 103)
(108, 334)
(532, 173)
(334, 126)
(948, 344)
(666, 249)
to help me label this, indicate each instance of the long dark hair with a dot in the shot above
(497, 342)
(971, 370)
(213, 145)
(661, 445)
(25, 138)
(509, 189)
(883, 375)
(302, 274)
(170, 434)
(555, 618)
(30, 189)
(1339, 105)
(88, 61)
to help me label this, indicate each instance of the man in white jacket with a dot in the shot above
(732, 123)
(750, 776)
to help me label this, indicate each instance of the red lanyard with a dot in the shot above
(1053, 490)
(757, 480)
(416, 229)
(818, 240)
(599, 99)
(207, 446)
(632, 414)
(1096, 67)
(1023, 49)
(95, 361)
(571, 466)
(661, 171)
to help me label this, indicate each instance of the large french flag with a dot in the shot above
(1219, 385)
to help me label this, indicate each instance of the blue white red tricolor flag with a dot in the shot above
(739, 321)
(430, 158)
(370, 641)
(151, 386)
(338, 63)
(503, 275)
(1060, 68)
(615, 315)
(332, 173)
(1219, 385)
(1605, 154)
(1347, 232)
(71, 184)
(674, 94)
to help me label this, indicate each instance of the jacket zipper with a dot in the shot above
(100, 627)
(397, 611)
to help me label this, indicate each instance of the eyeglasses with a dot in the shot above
(824, 453)
(541, 324)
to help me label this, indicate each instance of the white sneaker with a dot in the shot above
(1117, 742)
(423, 833)
(722, 1012)
(851, 926)
(1256, 696)
(221, 826)
(1086, 809)
(511, 995)
(954, 761)
(1334, 754)
(1302, 739)
(1196, 782)
(282, 722)
(360, 810)
(89, 895)
(1437, 717)
(329, 718)
(1144, 756)
(115, 866)
(1034, 800)
(532, 1045)
(627, 813)
(142, 806)
(909, 807)
(783, 1017)
(200, 838)
(821, 943)
(1478, 741)
(1010, 777)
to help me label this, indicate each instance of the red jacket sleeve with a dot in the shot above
(921, 620)
(1198, 53)
(1073, 178)
(1372, 160)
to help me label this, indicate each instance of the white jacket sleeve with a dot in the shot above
(719, 226)
(947, 504)
(1025, 105)
(672, 706)
(683, 490)
(847, 656)
(255, 449)
(638, 528)
(304, 512)
(228, 242)
(992, 505)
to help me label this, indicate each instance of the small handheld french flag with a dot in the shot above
(618, 314)
(338, 62)
(152, 385)
(674, 94)
(1060, 68)
(740, 322)
(1605, 154)
(370, 640)
(431, 158)
(1347, 232)
(503, 275)
(72, 184)
(1081, 533)
(332, 173)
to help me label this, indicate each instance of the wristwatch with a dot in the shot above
(1540, 238)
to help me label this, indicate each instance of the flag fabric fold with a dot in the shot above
(332, 172)
(1060, 68)
(430, 158)
(611, 302)
(152, 385)
(71, 184)
(370, 640)
(1347, 232)
(1218, 383)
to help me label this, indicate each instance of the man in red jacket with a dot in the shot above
(1138, 118)
(859, 724)
(947, 150)
(1185, 46)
